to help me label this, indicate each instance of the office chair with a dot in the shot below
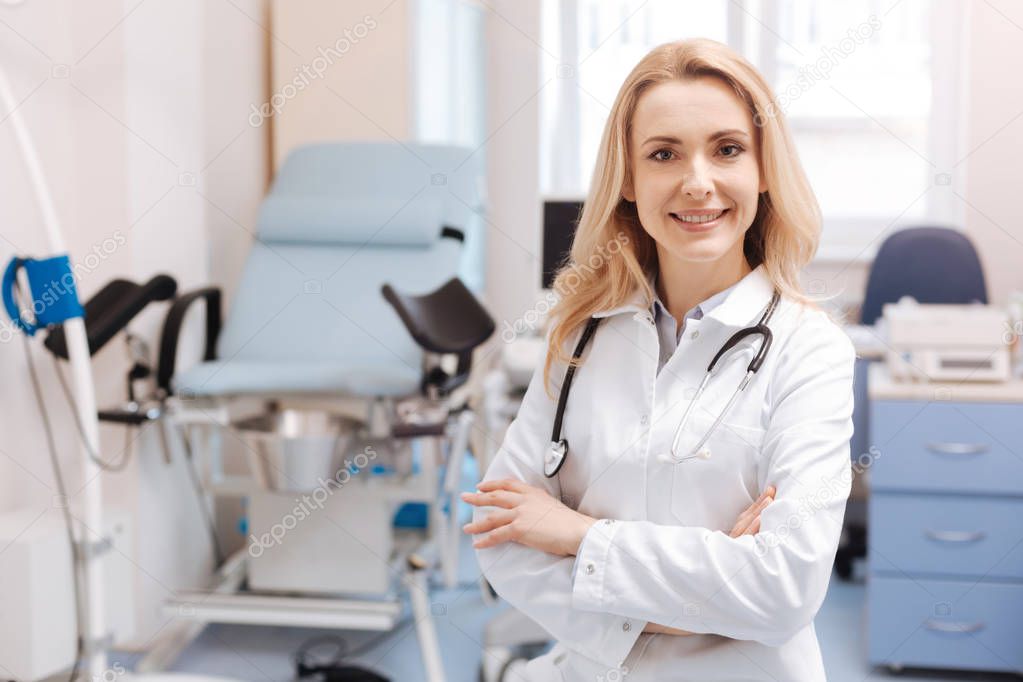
(933, 265)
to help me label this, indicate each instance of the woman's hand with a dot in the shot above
(748, 523)
(527, 515)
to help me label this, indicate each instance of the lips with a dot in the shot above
(697, 223)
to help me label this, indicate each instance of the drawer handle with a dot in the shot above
(949, 448)
(952, 626)
(955, 535)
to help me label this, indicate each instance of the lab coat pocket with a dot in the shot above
(710, 490)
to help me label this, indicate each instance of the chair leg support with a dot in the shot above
(429, 647)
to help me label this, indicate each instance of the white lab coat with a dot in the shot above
(661, 551)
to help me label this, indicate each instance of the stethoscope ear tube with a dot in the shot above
(558, 449)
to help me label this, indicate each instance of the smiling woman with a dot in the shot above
(634, 559)
(695, 184)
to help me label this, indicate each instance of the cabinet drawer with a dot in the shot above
(948, 534)
(955, 447)
(945, 624)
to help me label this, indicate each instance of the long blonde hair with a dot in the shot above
(784, 233)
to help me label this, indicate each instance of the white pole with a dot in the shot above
(81, 372)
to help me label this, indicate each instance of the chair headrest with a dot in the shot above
(381, 193)
(294, 218)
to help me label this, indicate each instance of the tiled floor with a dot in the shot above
(264, 653)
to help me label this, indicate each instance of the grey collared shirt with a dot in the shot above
(669, 332)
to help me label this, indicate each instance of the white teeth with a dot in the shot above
(698, 219)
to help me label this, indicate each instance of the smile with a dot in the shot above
(699, 222)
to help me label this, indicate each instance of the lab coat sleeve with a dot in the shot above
(764, 587)
(537, 583)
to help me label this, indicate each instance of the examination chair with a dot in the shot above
(353, 303)
(933, 265)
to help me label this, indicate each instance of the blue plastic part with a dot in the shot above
(52, 285)
(412, 515)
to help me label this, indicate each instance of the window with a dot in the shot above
(873, 106)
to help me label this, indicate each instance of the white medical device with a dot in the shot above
(940, 342)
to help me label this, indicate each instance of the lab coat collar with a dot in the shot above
(745, 302)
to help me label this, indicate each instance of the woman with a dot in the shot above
(632, 556)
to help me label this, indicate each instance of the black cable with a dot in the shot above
(336, 665)
(51, 447)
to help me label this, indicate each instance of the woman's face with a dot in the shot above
(692, 155)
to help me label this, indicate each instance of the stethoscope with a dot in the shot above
(558, 450)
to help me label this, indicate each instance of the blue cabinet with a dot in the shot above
(945, 585)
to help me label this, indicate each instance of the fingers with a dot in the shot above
(511, 484)
(495, 537)
(498, 498)
(745, 523)
(492, 521)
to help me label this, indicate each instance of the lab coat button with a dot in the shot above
(644, 420)
(626, 626)
(695, 334)
(590, 568)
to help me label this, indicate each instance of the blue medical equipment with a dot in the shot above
(52, 285)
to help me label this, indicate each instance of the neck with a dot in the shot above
(682, 285)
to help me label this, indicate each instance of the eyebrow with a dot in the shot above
(715, 136)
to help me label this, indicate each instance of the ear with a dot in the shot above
(627, 192)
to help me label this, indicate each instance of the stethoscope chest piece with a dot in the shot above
(555, 457)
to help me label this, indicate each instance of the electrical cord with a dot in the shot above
(126, 458)
(94, 456)
(51, 447)
(193, 475)
(334, 669)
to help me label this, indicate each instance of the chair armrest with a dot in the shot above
(172, 331)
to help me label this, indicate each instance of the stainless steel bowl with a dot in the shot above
(296, 450)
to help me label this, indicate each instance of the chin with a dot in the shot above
(700, 250)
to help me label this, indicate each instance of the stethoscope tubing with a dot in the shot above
(558, 449)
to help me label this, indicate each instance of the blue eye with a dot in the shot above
(738, 150)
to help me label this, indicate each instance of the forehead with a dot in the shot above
(689, 109)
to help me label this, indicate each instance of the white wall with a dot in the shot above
(994, 218)
(141, 119)
(355, 89)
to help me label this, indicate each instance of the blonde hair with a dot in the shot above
(784, 233)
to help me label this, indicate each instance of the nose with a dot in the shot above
(696, 181)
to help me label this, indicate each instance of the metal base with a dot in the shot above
(225, 604)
